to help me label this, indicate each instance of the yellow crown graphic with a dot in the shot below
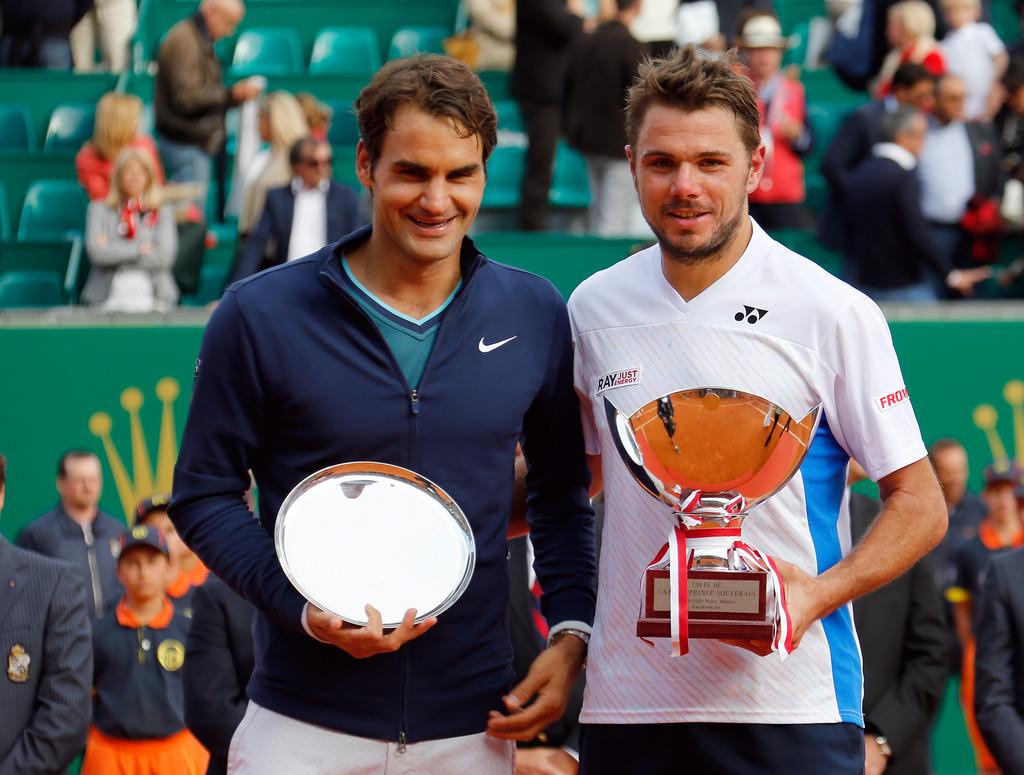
(986, 418)
(146, 481)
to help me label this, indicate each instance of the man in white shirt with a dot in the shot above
(302, 217)
(718, 303)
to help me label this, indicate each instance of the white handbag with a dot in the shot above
(131, 290)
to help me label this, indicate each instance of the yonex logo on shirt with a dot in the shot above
(889, 400)
(752, 314)
(618, 379)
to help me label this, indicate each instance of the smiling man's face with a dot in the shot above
(427, 184)
(693, 174)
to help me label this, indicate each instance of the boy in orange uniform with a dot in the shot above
(187, 570)
(138, 718)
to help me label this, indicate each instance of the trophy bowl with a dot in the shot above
(711, 454)
(373, 533)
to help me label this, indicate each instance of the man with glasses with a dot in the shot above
(302, 217)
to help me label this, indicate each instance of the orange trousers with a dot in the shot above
(179, 754)
(982, 755)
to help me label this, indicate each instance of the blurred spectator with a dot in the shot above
(112, 23)
(966, 510)
(974, 52)
(961, 176)
(545, 30)
(911, 34)
(318, 115)
(1000, 531)
(891, 247)
(35, 32)
(999, 687)
(189, 95)
(131, 239)
(138, 723)
(903, 639)
(1009, 121)
(281, 124)
(492, 24)
(187, 570)
(603, 65)
(697, 24)
(912, 86)
(44, 628)
(656, 26)
(78, 532)
(118, 117)
(302, 217)
(777, 202)
(219, 665)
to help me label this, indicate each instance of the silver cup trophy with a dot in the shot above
(712, 454)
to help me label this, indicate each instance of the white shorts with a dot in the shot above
(268, 743)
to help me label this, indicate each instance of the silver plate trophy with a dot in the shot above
(372, 533)
(711, 454)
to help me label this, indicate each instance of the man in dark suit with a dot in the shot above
(544, 31)
(999, 661)
(219, 664)
(913, 86)
(892, 252)
(302, 217)
(46, 646)
(903, 639)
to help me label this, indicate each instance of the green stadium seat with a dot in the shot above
(825, 119)
(53, 210)
(15, 128)
(267, 51)
(409, 41)
(344, 124)
(504, 177)
(509, 117)
(70, 126)
(570, 186)
(345, 50)
(5, 214)
(30, 288)
(796, 54)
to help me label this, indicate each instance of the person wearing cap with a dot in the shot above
(187, 570)
(778, 200)
(999, 533)
(139, 650)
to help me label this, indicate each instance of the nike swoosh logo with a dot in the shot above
(486, 348)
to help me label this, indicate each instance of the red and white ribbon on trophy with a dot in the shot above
(740, 554)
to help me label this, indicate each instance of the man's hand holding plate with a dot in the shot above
(369, 640)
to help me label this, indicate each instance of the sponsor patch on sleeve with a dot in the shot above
(619, 378)
(886, 402)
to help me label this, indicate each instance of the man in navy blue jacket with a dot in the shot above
(401, 344)
(303, 216)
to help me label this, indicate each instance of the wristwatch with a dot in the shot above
(583, 636)
(883, 745)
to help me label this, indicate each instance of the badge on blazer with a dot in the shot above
(115, 547)
(170, 654)
(17, 664)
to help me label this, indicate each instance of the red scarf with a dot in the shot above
(131, 212)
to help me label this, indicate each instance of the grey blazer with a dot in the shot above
(109, 252)
(46, 653)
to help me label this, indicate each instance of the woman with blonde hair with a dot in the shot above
(281, 123)
(911, 34)
(118, 119)
(131, 239)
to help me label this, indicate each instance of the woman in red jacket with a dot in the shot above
(778, 201)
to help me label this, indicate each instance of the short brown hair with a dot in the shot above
(692, 81)
(441, 86)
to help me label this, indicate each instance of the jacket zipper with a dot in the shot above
(94, 573)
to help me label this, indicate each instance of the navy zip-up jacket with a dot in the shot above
(293, 376)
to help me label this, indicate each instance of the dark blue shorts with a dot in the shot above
(721, 749)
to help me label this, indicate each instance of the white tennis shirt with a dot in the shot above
(778, 326)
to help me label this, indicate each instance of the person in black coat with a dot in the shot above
(544, 31)
(999, 661)
(913, 86)
(904, 640)
(220, 661)
(321, 222)
(892, 252)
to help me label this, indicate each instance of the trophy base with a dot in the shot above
(722, 605)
